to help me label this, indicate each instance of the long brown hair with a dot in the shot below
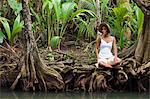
(105, 25)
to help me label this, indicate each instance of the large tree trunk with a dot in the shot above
(98, 21)
(98, 11)
(142, 53)
(35, 74)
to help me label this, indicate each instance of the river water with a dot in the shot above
(5, 94)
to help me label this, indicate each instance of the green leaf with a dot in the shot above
(7, 29)
(16, 6)
(46, 4)
(122, 38)
(120, 13)
(47, 7)
(57, 8)
(87, 4)
(1, 37)
(50, 57)
(140, 19)
(54, 41)
(82, 11)
(104, 5)
(2, 18)
(17, 27)
(67, 9)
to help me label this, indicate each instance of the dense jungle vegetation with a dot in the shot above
(49, 45)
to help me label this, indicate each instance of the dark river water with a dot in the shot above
(5, 94)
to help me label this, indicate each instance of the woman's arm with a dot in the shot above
(115, 47)
(115, 50)
(97, 46)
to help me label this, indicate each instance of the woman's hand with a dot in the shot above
(98, 58)
(116, 60)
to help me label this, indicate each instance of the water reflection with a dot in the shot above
(5, 94)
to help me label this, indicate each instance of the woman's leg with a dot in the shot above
(111, 61)
(104, 63)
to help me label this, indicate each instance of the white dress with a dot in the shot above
(105, 49)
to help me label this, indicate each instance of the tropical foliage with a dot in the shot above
(17, 27)
(123, 17)
(16, 6)
(57, 16)
(10, 32)
(60, 14)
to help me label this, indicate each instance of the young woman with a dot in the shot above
(104, 45)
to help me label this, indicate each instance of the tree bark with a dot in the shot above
(98, 12)
(142, 52)
(36, 70)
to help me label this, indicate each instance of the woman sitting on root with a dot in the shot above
(104, 45)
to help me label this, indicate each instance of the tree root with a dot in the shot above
(129, 52)
(18, 77)
(44, 83)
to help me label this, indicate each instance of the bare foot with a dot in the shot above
(115, 63)
(107, 65)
